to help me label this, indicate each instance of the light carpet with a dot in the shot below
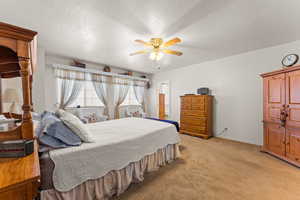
(218, 169)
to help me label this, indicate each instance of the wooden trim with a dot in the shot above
(205, 136)
(197, 95)
(14, 32)
(12, 115)
(283, 158)
(1, 104)
(27, 124)
(240, 142)
(287, 127)
(280, 71)
(14, 134)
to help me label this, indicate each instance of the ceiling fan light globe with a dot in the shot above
(159, 55)
(156, 55)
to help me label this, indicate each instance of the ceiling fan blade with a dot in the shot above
(168, 51)
(139, 52)
(171, 42)
(143, 42)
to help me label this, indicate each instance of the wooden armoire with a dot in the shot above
(196, 115)
(282, 114)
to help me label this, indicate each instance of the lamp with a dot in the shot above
(155, 55)
(11, 96)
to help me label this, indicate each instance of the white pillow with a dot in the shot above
(76, 125)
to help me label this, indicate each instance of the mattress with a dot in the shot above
(118, 143)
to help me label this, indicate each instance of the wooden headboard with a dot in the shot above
(18, 59)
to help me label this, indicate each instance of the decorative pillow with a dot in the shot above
(136, 114)
(47, 118)
(51, 141)
(76, 125)
(91, 118)
(60, 131)
(36, 116)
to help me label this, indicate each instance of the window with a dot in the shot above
(87, 96)
(130, 98)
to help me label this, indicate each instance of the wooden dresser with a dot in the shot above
(19, 177)
(196, 115)
(282, 114)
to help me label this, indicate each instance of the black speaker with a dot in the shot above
(203, 91)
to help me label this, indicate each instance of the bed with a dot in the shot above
(123, 151)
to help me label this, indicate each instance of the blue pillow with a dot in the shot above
(47, 118)
(51, 141)
(61, 132)
(36, 116)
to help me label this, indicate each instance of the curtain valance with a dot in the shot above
(70, 75)
(74, 73)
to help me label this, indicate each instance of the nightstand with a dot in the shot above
(19, 177)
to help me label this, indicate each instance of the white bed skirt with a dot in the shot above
(117, 181)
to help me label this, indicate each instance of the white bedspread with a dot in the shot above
(118, 143)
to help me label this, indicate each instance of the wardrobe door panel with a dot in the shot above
(274, 139)
(293, 99)
(293, 144)
(274, 98)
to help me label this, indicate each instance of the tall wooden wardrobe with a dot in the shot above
(282, 114)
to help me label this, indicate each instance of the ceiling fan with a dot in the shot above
(158, 48)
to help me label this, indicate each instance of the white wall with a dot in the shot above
(38, 88)
(236, 85)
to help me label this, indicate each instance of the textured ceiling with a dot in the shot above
(103, 31)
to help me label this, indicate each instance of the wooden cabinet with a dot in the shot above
(196, 115)
(282, 114)
(18, 59)
(19, 177)
(274, 138)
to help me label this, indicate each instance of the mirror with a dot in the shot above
(11, 100)
(163, 94)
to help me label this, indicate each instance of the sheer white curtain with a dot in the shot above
(139, 92)
(101, 84)
(120, 91)
(70, 84)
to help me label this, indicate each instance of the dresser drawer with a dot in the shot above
(194, 120)
(195, 113)
(186, 103)
(186, 107)
(192, 128)
(198, 103)
(17, 193)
